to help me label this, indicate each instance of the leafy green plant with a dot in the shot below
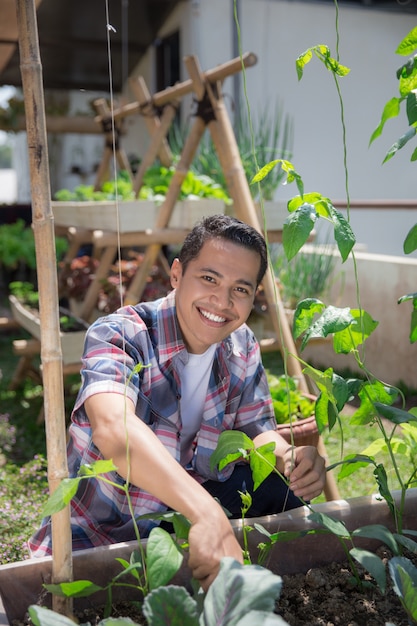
(288, 402)
(25, 292)
(17, 253)
(349, 328)
(234, 445)
(155, 187)
(240, 595)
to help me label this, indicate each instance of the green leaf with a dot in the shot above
(75, 589)
(393, 414)
(297, 228)
(371, 392)
(332, 320)
(411, 108)
(62, 496)
(335, 526)
(348, 339)
(406, 542)
(343, 233)
(408, 44)
(42, 616)
(304, 314)
(97, 468)
(170, 606)
(229, 448)
(410, 244)
(163, 558)
(413, 325)
(302, 61)
(380, 532)
(260, 468)
(286, 167)
(352, 463)
(404, 579)
(391, 109)
(373, 564)
(238, 589)
(264, 171)
(400, 143)
(382, 481)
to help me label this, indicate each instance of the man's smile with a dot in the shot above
(212, 316)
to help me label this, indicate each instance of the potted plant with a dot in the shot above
(294, 411)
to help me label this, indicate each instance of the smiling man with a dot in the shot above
(202, 374)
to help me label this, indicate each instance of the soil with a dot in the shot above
(323, 596)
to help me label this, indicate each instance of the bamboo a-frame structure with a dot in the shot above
(43, 227)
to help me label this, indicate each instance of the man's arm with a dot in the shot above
(153, 469)
(302, 465)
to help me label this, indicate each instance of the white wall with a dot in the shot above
(388, 353)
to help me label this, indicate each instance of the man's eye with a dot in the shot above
(209, 279)
(242, 290)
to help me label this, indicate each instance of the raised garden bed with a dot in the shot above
(72, 342)
(21, 583)
(131, 215)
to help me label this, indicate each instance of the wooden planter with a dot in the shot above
(21, 583)
(131, 216)
(72, 343)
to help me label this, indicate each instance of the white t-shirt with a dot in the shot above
(194, 383)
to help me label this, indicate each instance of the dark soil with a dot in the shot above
(326, 597)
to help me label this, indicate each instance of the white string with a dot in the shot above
(111, 29)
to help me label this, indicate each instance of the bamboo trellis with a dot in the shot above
(43, 227)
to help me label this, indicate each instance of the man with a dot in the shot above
(201, 374)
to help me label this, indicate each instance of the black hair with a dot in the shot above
(224, 227)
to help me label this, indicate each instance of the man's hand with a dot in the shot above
(306, 471)
(211, 538)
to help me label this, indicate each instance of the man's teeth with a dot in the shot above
(212, 317)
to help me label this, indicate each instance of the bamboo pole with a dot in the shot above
(43, 226)
(152, 121)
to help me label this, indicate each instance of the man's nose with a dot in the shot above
(223, 296)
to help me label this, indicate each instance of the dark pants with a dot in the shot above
(272, 495)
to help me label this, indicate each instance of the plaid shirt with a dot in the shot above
(237, 398)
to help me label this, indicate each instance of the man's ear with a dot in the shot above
(176, 273)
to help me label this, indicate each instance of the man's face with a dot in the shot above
(215, 294)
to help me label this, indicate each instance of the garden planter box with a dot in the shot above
(132, 216)
(21, 583)
(72, 343)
